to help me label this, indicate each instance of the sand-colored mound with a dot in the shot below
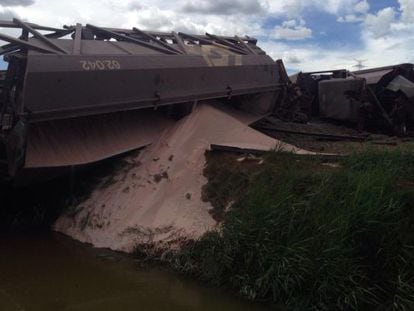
(158, 198)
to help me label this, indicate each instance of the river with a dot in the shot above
(50, 272)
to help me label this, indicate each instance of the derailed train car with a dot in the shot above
(375, 99)
(380, 97)
(80, 94)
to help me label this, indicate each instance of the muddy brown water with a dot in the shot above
(50, 272)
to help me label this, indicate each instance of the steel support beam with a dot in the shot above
(226, 43)
(121, 37)
(26, 44)
(154, 39)
(241, 41)
(180, 42)
(39, 36)
(77, 40)
(211, 42)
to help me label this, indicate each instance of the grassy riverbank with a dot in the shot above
(309, 234)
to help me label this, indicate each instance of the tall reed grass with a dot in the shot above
(311, 236)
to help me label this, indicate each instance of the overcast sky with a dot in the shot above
(306, 34)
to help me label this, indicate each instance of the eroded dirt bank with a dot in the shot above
(156, 198)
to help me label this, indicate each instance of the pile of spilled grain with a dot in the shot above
(157, 198)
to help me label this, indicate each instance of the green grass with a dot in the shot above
(309, 236)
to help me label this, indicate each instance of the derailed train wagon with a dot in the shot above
(379, 99)
(80, 94)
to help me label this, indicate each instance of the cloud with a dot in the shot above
(380, 24)
(407, 10)
(134, 6)
(220, 7)
(355, 13)
(292, 59)
(350, 18)
(385, 37)
(145, 14)
(361, 7)
(291, 30)
(294, 8)
(11, 3)
(150, 17)
(7, 14)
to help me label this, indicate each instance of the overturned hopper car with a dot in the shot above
(80, 94)
(379, 98)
